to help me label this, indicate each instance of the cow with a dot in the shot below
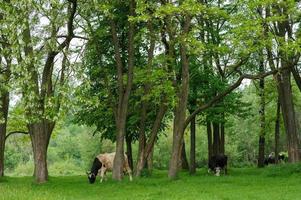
(282, 157)
(103, 163)
(217, 163)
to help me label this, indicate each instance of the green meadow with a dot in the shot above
(276, 182)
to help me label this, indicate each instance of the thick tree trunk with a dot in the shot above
(119, 159)
(192, 168)
(277, 131)
(40, 133)
(129, 151)
(184, 161)
(209, 137)
(289, 118)
(216, 138)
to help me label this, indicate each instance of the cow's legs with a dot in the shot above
(102, 173)
(130, 174)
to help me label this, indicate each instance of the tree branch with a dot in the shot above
(14, 132)
(232, 87)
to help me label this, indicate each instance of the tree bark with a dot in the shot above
(277, 131)
(4, 104)
(184, 161)
(129, 151)
(192, 168)
(40, 133)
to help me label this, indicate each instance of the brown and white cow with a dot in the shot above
(103, 163)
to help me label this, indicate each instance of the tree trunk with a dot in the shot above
(192, 168)
(289, 118)
(123, 91)
(209, 137)
(129, 151)
(261, 145)
(297, 77)
(261, 151)
(150, 161)
(184, 161)
(222, 138)
(277, 131)
(149, 146)
(4, 104)
(40, 133)
(216, 138)
(119, 159)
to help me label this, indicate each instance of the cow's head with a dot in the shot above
(91, 177)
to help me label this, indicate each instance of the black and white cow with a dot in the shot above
(103, 163)
(282, 157)
(217, 163)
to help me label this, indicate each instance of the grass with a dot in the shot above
(277, 182)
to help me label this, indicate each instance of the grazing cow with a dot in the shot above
(104, 162)
(218, 163)
(282, 157)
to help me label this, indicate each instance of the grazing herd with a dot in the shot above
(216, 164)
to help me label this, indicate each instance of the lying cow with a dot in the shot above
(104, 162)
(217, 163)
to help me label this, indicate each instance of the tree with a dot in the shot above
(5, 74)
(278, 17)
(41, 84)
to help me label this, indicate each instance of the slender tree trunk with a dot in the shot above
(262, 119)
(149, 146)
(297, 77)
(4, 104)
(184, 161)
(192, 168)
(277, 131)
(209, 137)
(222, 138)
(40, 133)
(123, 92)
(129, 151)
(216, 138)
